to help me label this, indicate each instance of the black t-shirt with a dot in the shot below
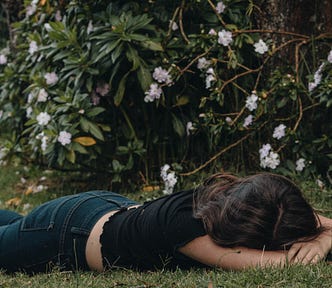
(148, 237)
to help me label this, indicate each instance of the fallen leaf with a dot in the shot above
(29, 190)
(85, 141)
(13, 202)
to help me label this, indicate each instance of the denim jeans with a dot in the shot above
(55, 233)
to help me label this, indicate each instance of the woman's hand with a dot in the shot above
(312, 251)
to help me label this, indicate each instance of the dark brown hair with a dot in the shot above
(263, 211)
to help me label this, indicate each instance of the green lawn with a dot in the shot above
(20, 183)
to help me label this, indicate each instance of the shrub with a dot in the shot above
(125, 87)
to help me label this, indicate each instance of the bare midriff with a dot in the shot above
(93, 246)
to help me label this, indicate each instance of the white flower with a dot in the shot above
(58, 16)
(268, 158)
(329, 58)
(317, 78)
(224, 37)
(265, 150)
(30, 98)
(279, 131)
(270, 161)
(51, 78)
(153, 93)
(48, 27)
(203, 63)
(189, 127)
(42, 95)
(3, 59)
(34, 2)
(174, 26)
(33, 47)
(90, 27)
(161, 75)
(248, 121)
(43, 144)
(209, 78)
(260, 47)
(251, 102)
(39, 188)
(220, 7)
(29, 112)
(169, 179)
(64, 138)
(212, 32)
(81, 111)
(31, 9)
(43, 118)
(163, 170)
(300, 164)
(228, 120)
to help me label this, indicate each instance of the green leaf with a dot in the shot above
(121, 89)
(95, 111)
(178, 126)
(71, 156)
(95, 131)
(144, 77)
(151, 45)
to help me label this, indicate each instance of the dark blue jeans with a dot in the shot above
(55, 233)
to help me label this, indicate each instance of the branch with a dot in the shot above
(216, 156)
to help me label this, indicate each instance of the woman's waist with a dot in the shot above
(93, 246)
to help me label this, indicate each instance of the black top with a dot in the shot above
(148, 237)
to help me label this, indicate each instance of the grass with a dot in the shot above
(20, 183)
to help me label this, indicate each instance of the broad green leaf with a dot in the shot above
(121, 89)
(151, 45)
(71, 156)
(95, 131)
(144, 77)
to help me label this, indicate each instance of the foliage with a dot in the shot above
(125, 87)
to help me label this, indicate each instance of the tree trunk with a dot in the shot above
(303, 16)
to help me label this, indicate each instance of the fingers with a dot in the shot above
(305, 254)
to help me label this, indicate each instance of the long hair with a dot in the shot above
(263, 211)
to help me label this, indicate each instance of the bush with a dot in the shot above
(124, 88)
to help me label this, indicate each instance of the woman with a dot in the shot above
(228, 222)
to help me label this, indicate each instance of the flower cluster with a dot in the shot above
(261, 47)
(268, 158)
(3, 59)
(64, 138)
(163, 77)
(44, 139)
(43, 118)
(169, 179)
(251, 105)
(51, 78)
(318, 74)
(300, 164)
(279, 131)
(225, 37)
(220, 7)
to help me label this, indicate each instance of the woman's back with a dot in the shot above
(148, 237)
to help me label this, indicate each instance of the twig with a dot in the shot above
(216, 156)
(215, 11)
(181, 23)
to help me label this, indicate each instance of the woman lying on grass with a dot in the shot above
(228, 222)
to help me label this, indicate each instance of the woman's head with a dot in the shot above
(260, 211)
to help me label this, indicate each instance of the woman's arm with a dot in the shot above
(315, 250)
(204, 250)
